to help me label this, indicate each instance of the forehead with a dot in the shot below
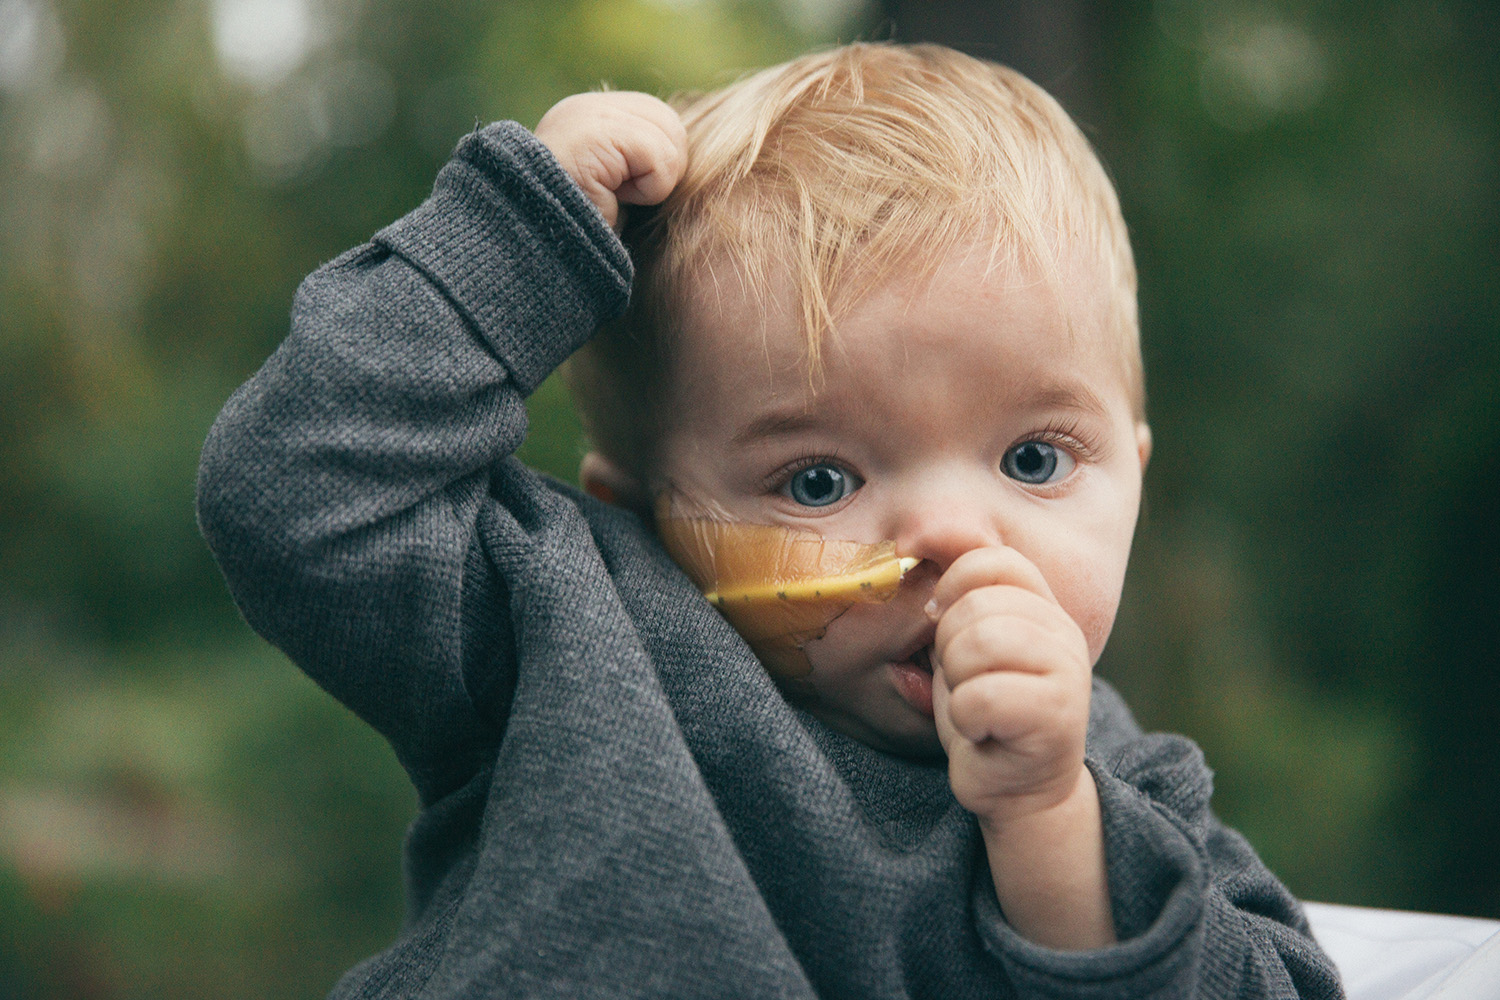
(986, 324)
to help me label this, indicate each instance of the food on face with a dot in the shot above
(779, 588)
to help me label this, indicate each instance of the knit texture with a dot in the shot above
(615, 800)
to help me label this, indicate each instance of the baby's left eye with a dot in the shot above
(1037, 462)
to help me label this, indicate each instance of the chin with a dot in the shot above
(910, 736)
(923, 747)
(916, 741)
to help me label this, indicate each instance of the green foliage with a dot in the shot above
(181, 819)
(1311, 190)
(1312, 199)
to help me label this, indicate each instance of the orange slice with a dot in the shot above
(779, 588)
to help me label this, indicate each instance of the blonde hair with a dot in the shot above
(845, 167)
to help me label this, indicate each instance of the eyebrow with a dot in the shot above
(1059, 395)
(775, 424)
(1069, 396)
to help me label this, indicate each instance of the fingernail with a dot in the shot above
(931, 609)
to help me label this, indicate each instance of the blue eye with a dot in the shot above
(1036, 462)
(820, 485)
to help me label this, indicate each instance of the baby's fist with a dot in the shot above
(620, 147)
(1012, 686)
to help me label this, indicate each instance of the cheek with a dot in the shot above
(1091, 580)
(1089, 591)
(843, 646)
(1094, 614)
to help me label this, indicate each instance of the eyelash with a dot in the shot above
(1065, 432)
(776, 480)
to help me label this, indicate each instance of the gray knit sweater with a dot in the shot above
(615, 799)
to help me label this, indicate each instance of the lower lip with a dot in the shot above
(915, 685)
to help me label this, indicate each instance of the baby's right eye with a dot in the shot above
(820, 484)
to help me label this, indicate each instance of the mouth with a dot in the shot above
(913, 678)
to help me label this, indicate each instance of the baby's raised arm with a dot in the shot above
(357, 491)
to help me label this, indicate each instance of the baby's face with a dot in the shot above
(952, 414)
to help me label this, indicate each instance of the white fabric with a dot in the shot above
(1399, 955)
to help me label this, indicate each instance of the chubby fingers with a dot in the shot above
(1010, 658)
(618, 147)
(1010, 708)
(990, 565)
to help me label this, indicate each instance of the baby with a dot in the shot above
(884, 304)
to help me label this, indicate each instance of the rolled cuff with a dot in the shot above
(1159, 882)
(502, 190)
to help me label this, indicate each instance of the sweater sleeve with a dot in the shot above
(1197, 913)
(345, 488)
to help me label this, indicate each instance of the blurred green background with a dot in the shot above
(1312, 191)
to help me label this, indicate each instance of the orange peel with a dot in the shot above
(778, 587)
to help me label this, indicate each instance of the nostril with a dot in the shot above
(923, 658)
(925, 571)
(919, 582)
(944, 529)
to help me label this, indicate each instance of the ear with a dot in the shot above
(1143, 443)
(603, 480)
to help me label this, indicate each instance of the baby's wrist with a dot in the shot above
(1049, 870)
(1068, 799)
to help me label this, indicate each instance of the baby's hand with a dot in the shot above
(1011, 686)
(620, 147)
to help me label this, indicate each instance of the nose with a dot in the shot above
(945, 518)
